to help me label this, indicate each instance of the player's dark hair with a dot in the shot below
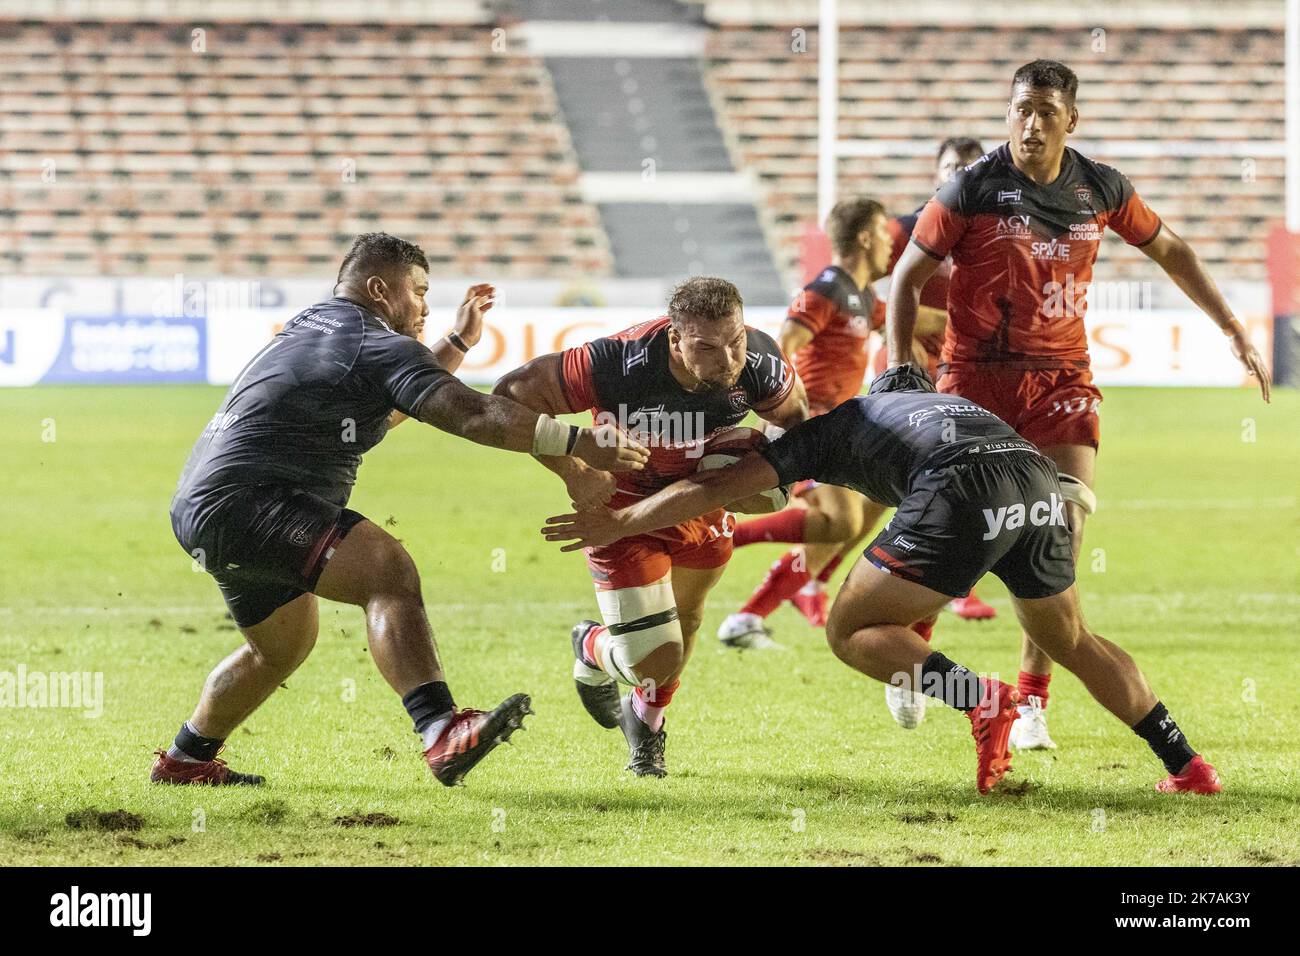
(966, 147)
(704, 297)
(847, 218)
(379, 254)
(1048, 75)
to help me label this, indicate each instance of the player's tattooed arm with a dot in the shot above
(1180, 262)
(499, 422)
(691, 497)
(538, 385)
(914, 269)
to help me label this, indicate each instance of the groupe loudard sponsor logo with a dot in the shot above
(1085, 231)
(75, 908)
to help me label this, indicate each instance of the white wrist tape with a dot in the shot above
(550, 437)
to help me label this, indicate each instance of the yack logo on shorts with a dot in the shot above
(1010, 517)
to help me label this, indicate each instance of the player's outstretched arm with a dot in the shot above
(913, 270)
(689, 498)
(1180, 262)
(538, 385)
(492, 420)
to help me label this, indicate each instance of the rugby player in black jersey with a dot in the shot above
(972, 497)
(262, 503)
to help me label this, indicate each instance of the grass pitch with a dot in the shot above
(778, 757)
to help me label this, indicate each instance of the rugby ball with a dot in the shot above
(728, 447)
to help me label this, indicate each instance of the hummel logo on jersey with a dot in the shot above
(1040, 513)
(1008, 195)
(827, 276)
(632, 361)
(755, 361)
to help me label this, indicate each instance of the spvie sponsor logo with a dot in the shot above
(1010, 517)
(1054, 251)
(75, 908)
(76, 690)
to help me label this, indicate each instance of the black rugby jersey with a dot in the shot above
(878, 445)
(309, 405)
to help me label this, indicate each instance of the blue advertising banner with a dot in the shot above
(128, 350)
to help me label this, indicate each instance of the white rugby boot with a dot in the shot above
(1030, 731)
(906, 706)
(744, 631)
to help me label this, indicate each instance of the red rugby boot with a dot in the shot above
(811, 602)
(470, 735)
(213, 773)
(1197, 777)
(991, 726)
(971, 608)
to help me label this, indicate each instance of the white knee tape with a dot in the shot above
(638, 622)
(1075, 490)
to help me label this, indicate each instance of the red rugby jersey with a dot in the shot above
(1022, 256)
(840, 317)
(625, 379)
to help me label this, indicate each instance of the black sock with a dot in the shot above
(1164, 738)
(427, 702)
(195, 745)
(950, 683)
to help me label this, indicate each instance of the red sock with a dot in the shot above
(650, 711)
(589, 646)
(1035, 684)
(782, 582)
(786, 525)
(925, 628)
(827, 571)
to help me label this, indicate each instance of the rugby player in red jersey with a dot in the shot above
(1022, 227)
(673, 383)
(972, 497)
(826, 332)
(262, 504)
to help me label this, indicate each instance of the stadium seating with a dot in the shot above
(252, 148)
(1216, 88)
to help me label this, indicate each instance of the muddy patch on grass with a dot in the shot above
(267, 857)
(842, 857)
(926, 816)
(923, 857)
(1262, 857)
(1015, 789)
(107, 820)
(267, 813)
(164, 844)
(367, 820)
